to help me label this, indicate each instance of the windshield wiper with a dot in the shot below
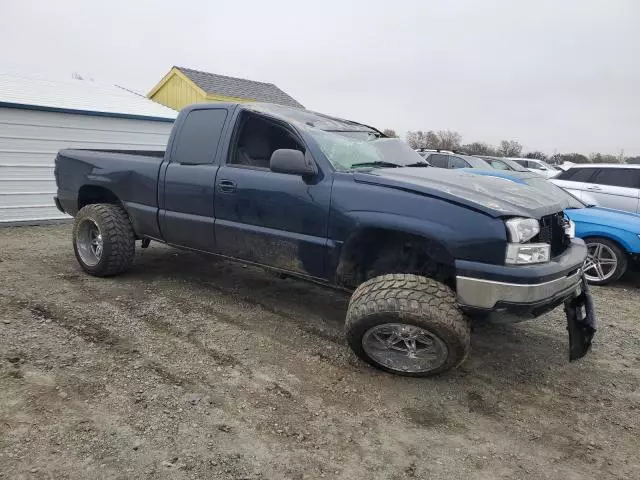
(389, 164)
(377, 164)
(418, 164)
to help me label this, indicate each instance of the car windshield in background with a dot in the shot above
(554, 191)
(550, 167)
(503, 163)
(515, 166)
(365, 149)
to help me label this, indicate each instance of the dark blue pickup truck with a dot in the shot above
(423, 250)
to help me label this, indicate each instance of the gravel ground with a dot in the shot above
(192, 367)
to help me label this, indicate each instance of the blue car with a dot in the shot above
(612, 236)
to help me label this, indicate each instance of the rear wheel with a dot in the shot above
(103, 239)
(408, 325)
(606, 262)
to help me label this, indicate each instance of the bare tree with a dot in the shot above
(389, 132)
(421, 139)
(479, 148)
(416, 139)
(510, 148)
(572, 158)
(537, 155)
(633, 160)
(432, 140)
(449, 139)
(603, 158)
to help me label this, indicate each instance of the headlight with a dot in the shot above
(519, 254)
(522, 230)
(570, 229)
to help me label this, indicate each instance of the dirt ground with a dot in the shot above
(192, 367)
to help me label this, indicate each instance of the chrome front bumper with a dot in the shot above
(487, 294)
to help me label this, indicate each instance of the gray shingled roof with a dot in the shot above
(239, 87)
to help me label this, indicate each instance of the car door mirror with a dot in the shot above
(293, 162)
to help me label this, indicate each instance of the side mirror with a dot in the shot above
(293, 162)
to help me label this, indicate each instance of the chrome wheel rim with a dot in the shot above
(404, 348)
(601, 262)
(89, 242)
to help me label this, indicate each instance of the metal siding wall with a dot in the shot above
(30, 140)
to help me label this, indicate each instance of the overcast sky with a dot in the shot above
(554, 75)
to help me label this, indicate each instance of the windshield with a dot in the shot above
(515, 166)
(545, 186)
(348, 150)
(550, 167)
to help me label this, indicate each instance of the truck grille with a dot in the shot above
(552, 231)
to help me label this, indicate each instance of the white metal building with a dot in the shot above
(39, 117)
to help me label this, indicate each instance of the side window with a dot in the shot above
(197, 141)
(618, 177)
(257, 139)
(439, 160)
(499, 165)
(534, 165)
(457, 162)
(576, 174)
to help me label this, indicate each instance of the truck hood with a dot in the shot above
(606, 217)
(497, 197)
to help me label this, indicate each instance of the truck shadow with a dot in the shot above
(519, 349)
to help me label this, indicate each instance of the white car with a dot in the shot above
(538, 166)
(608, 185)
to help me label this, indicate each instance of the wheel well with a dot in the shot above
(374, 251)
(610, 239)
(89, 194)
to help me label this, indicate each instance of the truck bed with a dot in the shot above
(131, 175)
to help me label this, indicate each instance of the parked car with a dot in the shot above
(337, 203)
(612, 236)
(425, 152)
(443, 159)
(503, 163)
(608, 185)
(538, 166)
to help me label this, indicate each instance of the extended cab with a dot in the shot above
(422, 249)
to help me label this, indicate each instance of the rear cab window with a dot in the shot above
(197, 141)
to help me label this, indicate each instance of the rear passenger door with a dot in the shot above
(616, 188)
(186, 189)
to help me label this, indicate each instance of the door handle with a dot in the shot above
(227, 186)
(595, 189)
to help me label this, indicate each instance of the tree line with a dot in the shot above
(452, 140)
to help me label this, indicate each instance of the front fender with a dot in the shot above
(629, 241)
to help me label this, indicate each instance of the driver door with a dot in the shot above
(273, 219)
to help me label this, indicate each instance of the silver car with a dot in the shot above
(606, 185)
(537, 166)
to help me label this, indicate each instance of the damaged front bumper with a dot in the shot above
(524, 300)
(520, 293)
(581, 322)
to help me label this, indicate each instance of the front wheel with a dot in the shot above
(407, 325)
(606, 262)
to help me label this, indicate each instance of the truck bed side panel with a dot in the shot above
(131, 177)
